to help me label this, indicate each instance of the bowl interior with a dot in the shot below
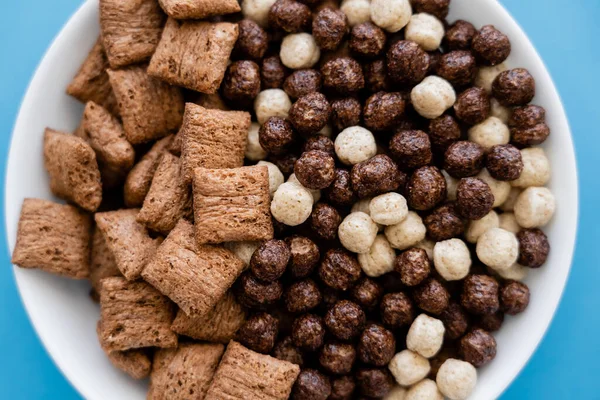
(64, 316)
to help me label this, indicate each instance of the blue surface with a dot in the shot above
(565, 364)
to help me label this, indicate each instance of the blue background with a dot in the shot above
(565, 33)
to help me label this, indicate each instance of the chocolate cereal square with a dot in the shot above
(199, 9)
(185, 372)
(212, 138)
(130, 30)
(128, 240)
(73, 169)
(150, 109)
(134, 315)
(232, 205)
(194, 54)
(54, 238)
(91, 82)
(194, 277)
(169, 197)
(218, 325)
(245, 374)
(102, 261)
(134, 363)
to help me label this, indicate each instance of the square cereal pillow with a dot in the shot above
(102, 261)
(134, 363)
(199, 9)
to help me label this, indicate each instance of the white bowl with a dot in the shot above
(64, 316)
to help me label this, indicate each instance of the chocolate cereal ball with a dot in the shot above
(474, 198)
(302, 296)
(308, 332)
(340, 191)
(411, 149)
(367, 40)
(325, 221)
(533, 247)
(376, 77)
(463, 159)
(276, 135)
(345, 320)
(472, 106)
(457, 67)
(254, 293)
(491, 46)
(367, 293)
(455, 321)
(289, 16)
(383, 111)
(286, 351)
(515, 87)
(444, 223)
(413, 265)
(437, 8)
(396, 310)
(342, 388)
(337, 358)
(443, 131)
(241, 83)
(374, 382)
(480, 294)
(339, 269)
(269, 261)
(491, 322)
(460, 35)
(302, 82)
(329, 27)
(425, 188)
(315, 169)
(345, 112)
(514, 297)
(259, 332)
(431, 296)
(504, 162)
(272, 73)
(407, 63)
(376, 345)
(343, 75)
(477, 347)
(528, 126)
(285, 162)
(252, 40)
(311, 385)
(319, 142)
(378, 175)
(304, 256)
(310, 113)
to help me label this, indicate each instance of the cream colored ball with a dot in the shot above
(388, 209)
(508, 222)
(456, 379)
(409, 367)
(478, 227)
(432, 97)
(498, 249)
(425, 30)
(428, 246)
(425, 336)
(315, 193)
(257, 10)
(424, 390)
(397, 393)
(299, 50)
(391, 15)
(535, 207)
(242, 250)
(490, 132)
(536, 168)
(515, 272)
(357, 11)
(254, 151)
(357, 232)
(452, 259)
(271, 103)
(379, 260)
(407, 233)
(451, 185)
(291, 204)
(275, 176)
(487, 75)
(500, 189)
(499, 111)
(354, 145)
(509, 204)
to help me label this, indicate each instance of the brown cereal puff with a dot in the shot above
(477, 347)
(378, 175)
(54, 238)
(528, 126)
(270, 260)
(444, 223)
(276, 135)
(413, 265)
(325, 221)
(254, 293)
(376, 76)
(376, 345)
(337, 358)
(272, 72)
(329, 27)
(218, 325)
(491, 46)
(407, 62)
(212, 139)
(302, 296)
(150, 108)
(342, 388)
(315, 169)
(431, 296)
(244, 374)
(515, 87)
(396, 310)
(259, 332)
(73, 169)
(533, 247)
(185, 372)
(491, 322)
(455, 321)
(139, 179)
(480, 295)
(319, 142)
(425, 188)
(343, 75)
(437, 8)
(367, 40)
(308, 332)
(472, 106)
(383, 111)
(443, 131)
(198, 9)
(233, 205)
(241, 83)
(91, 82)
(474, 198)
(128, 240)
(411, 149)
(504, 162)
(345, 320)
(367, 293)
(345, 113)
(311, 385)
(463, 159)
(514, 297)
(194, 54)
(252, 41)
(134, 363)
(289, 16)
(194, 277)
(134, 315)
(130, 30)
(339, 269)
(457, 67)
(374, 382)
(459, 35)
(340, 191)
(310, 113)
(304, 256)
(102, 261)
(286, 351)
(302, 82)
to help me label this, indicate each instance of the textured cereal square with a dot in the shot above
(245, 374)
(54, 238)
(218, 325)
(199, 9)
(102, 262)
(150, 109)
(212, 138)
(128, 240)
(169, 198)
(134, 315)
(232, 205)
(194, 54)
(73, 169)
(130, 30)
(134, 363)
(194, 277)
(184, 373)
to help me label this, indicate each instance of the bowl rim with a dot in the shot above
(71, 26)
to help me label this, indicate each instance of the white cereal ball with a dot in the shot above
(424, 390)
(409, 367)
(257, 10)
(299, 50)
(486, 76)
(425, 30)
(452, 259)
(489, 133)
(355, 144)
(432, 97)
(498, 249)
(536, 168)
(535, 207)
(397, 393)
(291, 204)
(275, 176)
(451, 185)
(426, 245)
(508, 222)
(379, 260)
(242, 250)
(254, 151)
(478, 227)
(388, 209)
(271, 103)
(362, 205)
(315, 193)
(515, 272)
(391, 15)
(500, 189)
(456, 379)
(407, 233)
(499, 111)
(425, 336)
(357, 232)
(509, 204)
(357, 11)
